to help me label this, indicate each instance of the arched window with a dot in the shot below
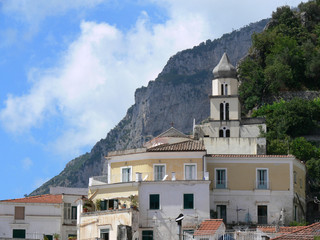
(220, 133)
(224, 89)
(224, 132)
(224, 111)
(221, 111)
(228, 133)
(227, 111)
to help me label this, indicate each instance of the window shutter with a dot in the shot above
(19, 213)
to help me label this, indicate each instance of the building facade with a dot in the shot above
(50, 215)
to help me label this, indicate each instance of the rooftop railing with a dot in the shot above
(147, 176)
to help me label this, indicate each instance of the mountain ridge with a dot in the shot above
(178, 95)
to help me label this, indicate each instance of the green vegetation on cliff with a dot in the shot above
(286, 56)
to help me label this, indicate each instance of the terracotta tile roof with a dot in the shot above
(272, 229)
(47, 198)
(249, 156)
(305, 233)
(179, 147)
(208, 227)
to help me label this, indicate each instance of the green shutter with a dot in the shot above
(49, 237)
(147, 235)
(188, 201)
(154, 201)
(19, 233)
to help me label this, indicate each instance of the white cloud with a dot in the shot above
(92, 85)
(26, 163)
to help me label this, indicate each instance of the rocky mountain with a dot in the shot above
(178, 95)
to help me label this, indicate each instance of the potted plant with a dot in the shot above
(56, 236)
(133, 201)
(98, 204)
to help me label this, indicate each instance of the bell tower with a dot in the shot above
(225, 109)
(226, 132)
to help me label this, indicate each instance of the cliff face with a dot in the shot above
(178, 95)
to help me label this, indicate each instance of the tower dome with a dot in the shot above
(224, 69)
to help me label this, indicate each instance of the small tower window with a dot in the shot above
(221, 111)
(227, 111)
(224, 132)
(220, 133)
(224, 89)
(224, 111)
(228, 133)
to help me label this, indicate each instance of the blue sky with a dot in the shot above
(69, 69)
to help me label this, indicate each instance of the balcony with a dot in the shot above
(147, 176)
(220, 184)
(262, 185)
(70, 222)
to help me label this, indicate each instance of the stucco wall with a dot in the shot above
(171, 205)
(243, 176)
(248, 202)
(232, 86)
(146, 166)
(231, 145)
(39, 219)
(234, 107)
(91, 224)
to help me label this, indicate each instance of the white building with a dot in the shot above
(33, 217)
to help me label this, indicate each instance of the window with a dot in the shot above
(295, 177)
(221, 111)
(227, 111)
(228, 133)
(221, 178)
(224, 132)
(262, 178)
(159, 172)
(109, 204)
(222, 213)
(295, 213)
(49, 237)
(19, 213)
(188, 234)
(67, 211)
(220, 133)
(147, 235)
(18, 233)
(224, 111)
(154, 201)
(224, 89)
(188, 201)
(104, 234)
(262, 214)
(190, 171)
(74, 212)
(126, 174)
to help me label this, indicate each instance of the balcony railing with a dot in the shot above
(263, 185)
(220, 184)
(147, 176)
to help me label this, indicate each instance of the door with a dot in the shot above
(262, 214)
(222, 213)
